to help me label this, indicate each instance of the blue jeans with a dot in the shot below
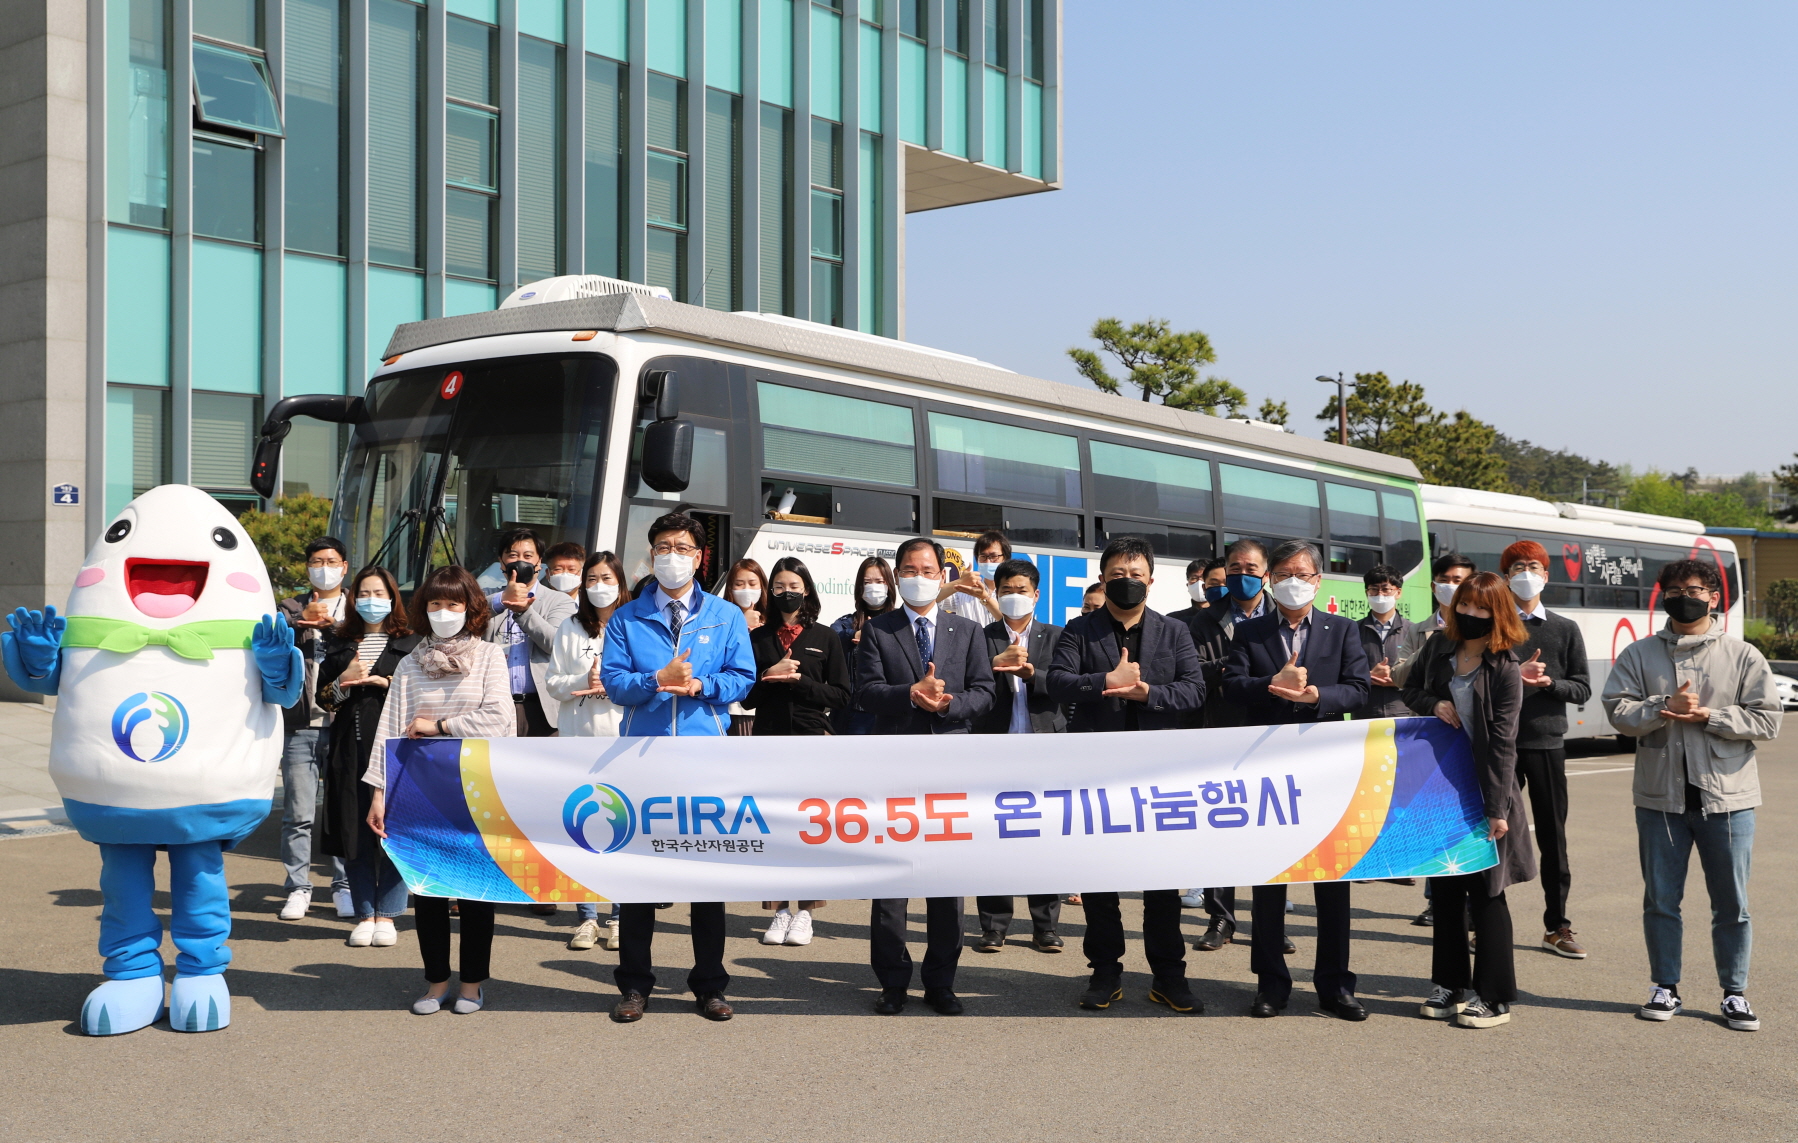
(376, 886)
(299, 803)
(1725, 843)
(589, 910)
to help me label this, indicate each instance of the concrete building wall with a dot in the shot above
(43, 298)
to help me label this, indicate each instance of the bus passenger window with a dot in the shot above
(1402, 532)
(1270, 503)
(1352, 561)
(799, 503)
(965, 520)
(982, 458)
(1174, 543)
(1354, 514)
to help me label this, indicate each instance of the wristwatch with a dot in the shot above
(441, 733)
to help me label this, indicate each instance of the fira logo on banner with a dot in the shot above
(689, 814)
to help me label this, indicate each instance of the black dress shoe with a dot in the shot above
(991, 941)
(1100, 993)
(1287, 947)
(1264, 1008)
(1177, 996)
(891, 1002)
(711, 1005)
(1345, 1007)
(629, 1008)
(1426, 919)
(943, 1000)
(1216, 937)
(544, 909)
(1048, 941)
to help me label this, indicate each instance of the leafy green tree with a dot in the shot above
(1563, 475)
(1786, 477)
(1780, 601)
(1383, 416)
(1459, 452)
(1208, 397)
(1160, 360)
(281, 537)
(1273, 412)
(1664, 495)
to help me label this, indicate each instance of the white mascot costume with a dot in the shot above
(170, 666)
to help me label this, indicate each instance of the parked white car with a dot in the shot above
(1787, 689)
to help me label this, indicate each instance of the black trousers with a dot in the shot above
(532, 722)
(995, 912)
(1494, 974)
(433, 917)
(1543, 775)
(636, 933)
(887, 953)
(1330, 974)
(1163, 944)
(1221, 902)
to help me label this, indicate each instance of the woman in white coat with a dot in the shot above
(573, 680)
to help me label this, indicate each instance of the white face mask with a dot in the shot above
(674, 571)
(1016, 606)
(746, 596)
(1294, 592)
(1527, 585)
(874, 594)
(445, 622)
(917, 590)
(564, 581)
(1382, 604)
(325, 579)
(602, 594)
(1445, 593)
(1196, 590)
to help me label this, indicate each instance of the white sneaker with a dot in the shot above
(363, 934)
(800, 931)
(346, 908)
(298, 902)
(585, 936)
(385, 934)
(612, 935)
(777, 928)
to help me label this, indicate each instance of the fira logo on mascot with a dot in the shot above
(172, 599)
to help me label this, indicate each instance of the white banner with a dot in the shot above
(834, 818)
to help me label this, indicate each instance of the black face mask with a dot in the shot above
(785, 601)
(1685, 609)
(523, 571)
(1126, 594)
(1472, 626)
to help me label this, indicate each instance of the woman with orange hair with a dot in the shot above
(1468, 676)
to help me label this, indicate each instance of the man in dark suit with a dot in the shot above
(1125, 667)
(919, 670)
(1383, 633)
(1021, 705)
(1297, 664)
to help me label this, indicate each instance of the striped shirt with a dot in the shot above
(475, 705)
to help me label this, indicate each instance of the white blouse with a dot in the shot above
(580, 716)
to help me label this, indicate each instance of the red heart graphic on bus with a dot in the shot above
(1570, 560)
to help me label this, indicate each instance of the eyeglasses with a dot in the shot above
(676, 550)
(1687, 592)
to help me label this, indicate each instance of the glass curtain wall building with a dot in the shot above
(286, 180)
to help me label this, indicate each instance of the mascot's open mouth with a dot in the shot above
(163, 589)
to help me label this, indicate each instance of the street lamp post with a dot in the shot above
(1342, 388)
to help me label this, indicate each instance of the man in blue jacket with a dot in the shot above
(675, 659)
(1298, 664)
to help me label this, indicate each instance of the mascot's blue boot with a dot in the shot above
(121, 1006)
(199, 1003)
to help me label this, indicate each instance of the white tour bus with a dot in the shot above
(587, 407)
(1602, 568)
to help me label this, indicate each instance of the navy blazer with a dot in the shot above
(1088, 651)
(1333, 659)
(887, 664)
(1046, 716)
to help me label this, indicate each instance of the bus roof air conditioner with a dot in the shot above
(568, 287)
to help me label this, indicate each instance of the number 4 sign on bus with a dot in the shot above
(452, 384)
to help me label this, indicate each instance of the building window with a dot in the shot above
(227, 188)
(539, 159)
(471, 150)
(223, 440)
(772, 212)
(997, 30)
(955, 26)
(394, 168)
(235, 21)
(1033, 38)
(471, 51)
(137, 443)
(137, 130)
(232, 91)
(912, 19)
(468, 234)
(666, 179)
(723, 159)
(827, 222)
(310, 457)
(314, 157)
(605, 165)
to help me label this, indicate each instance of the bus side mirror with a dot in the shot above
(661, 391)
(334, 408)
(668, 455)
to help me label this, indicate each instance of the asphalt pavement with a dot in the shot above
(322, 1046)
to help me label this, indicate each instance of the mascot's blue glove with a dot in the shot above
(33, 650)
(283, 667)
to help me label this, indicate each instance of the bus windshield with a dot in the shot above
(450, 456)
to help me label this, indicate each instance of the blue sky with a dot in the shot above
(1574, 220)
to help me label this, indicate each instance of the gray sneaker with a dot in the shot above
(1442, 1003)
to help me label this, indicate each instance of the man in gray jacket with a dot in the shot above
(1696, 701)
